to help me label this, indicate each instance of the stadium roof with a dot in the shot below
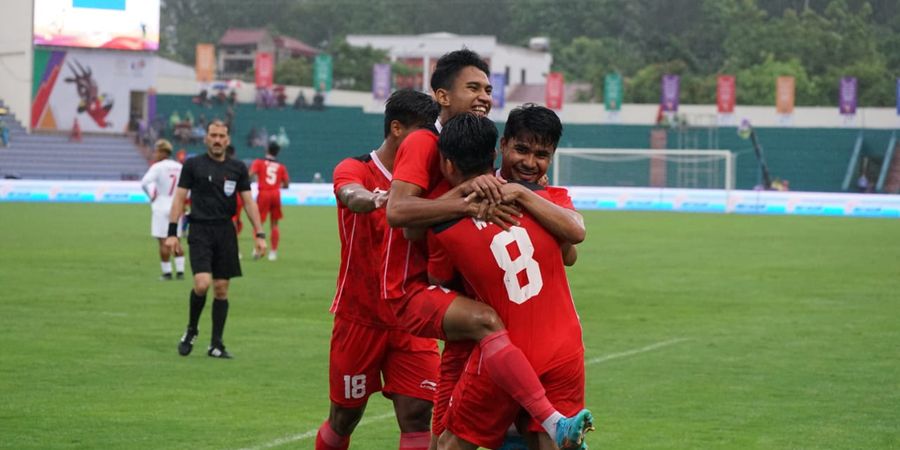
(295, 46)
(243, 36)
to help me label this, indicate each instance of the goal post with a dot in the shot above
(662, 168)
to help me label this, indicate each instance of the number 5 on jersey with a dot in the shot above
(499, 247)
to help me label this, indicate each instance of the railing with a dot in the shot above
(886, 165)
(854, 159)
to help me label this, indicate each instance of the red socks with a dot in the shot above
(276, 236)
(327, 439)
(509, 369)
(415, 441)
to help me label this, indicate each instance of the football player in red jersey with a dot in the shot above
(367, 344)
(530, 137)
(522, 276)
(271, 177)
(420, 197)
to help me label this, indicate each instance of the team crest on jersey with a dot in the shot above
(229, 187)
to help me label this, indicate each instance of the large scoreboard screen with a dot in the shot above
(111, 24)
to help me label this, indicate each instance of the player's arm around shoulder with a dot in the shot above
(567, 225)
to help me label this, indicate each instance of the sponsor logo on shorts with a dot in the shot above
(428, 384)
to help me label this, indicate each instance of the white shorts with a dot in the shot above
(159, 225)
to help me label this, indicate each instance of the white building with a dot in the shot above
(520, 65)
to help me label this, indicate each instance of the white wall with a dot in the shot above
(16, 57)
(536, 64)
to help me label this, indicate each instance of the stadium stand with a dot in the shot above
(53, 156)
(319, 139)
(812, 159)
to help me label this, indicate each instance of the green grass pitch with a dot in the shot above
(701, 332)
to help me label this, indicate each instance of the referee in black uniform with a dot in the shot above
(215, 181)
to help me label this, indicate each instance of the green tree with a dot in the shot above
(294, 72)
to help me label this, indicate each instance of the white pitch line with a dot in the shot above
(312, 433)
(648, 348)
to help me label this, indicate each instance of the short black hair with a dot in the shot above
(469, 141)
(273, 149)
(532, 122)
(449, 66)
(410, 108)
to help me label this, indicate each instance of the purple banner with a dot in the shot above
(498, 82)
(381, 81)
(670, 88)
(847, 96)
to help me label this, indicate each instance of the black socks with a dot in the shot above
(196, 308)
(219, 314)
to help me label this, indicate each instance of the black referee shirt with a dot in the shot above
(214, 187)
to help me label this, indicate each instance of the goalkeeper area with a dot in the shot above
(667, 168)
(701, 331)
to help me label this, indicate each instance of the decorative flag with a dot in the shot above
(847, 97)
(265, 70)
(725, 94)
(205, 62)
(381, 81)
(670, 93)
(555, 90)
(322, 72)
(784, 95)
(612, 92)
(498, 94)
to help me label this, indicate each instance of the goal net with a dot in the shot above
(668, 168)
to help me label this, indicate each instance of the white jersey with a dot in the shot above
(160, 183)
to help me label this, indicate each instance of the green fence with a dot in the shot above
(811, 159)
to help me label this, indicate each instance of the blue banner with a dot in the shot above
(118, 5)
(498, 82)
(898, 96)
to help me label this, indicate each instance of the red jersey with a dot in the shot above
(418, 163)
(520, 273)
(559, 196)
(270, 174)
(359, 280)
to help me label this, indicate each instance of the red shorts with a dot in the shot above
(269, 201)
(361, 355)
(453, 362)
(480, 412)
(421, 311)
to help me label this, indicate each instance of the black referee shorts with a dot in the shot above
(214, 249)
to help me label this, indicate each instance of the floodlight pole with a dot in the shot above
(763, 167)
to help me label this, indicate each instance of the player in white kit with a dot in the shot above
(159, 183)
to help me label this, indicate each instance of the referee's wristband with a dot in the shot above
(260, 235)
(173, 229)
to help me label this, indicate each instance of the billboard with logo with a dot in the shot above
(94, 88)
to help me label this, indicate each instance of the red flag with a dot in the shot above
(555, 90)
(725, 94)
(264, 69)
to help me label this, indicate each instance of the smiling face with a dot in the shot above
(470, 92)
(524, 158)
(217, 140)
